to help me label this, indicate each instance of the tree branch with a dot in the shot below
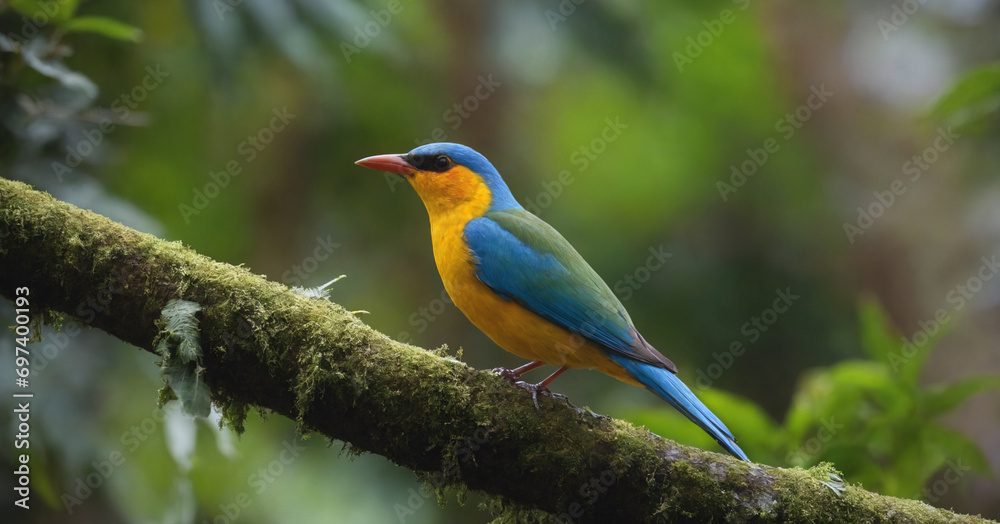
(312, 361)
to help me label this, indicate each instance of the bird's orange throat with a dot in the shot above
(457, 191)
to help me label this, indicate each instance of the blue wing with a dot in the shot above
(526, 260)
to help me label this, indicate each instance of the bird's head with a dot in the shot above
(448, 177)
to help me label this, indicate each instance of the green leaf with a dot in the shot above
(974, 99)
(913, 354)
(179, 344)
(883, 342)
(855, 390)
(940, 399)
(187, 383)
(913, 460)
(878, 337)
(44, 11)
(181, 326)
(964, 454)
(104, 26)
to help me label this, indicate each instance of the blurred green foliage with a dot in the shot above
(62, 17)
(873, 418)
(973, 102)
(136, 119)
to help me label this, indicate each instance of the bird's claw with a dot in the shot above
(507, 374)
(535, 389)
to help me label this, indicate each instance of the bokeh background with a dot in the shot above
(797, 202)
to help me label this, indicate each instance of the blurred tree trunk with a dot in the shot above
(312, 361)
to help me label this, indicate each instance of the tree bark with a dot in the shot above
(312, 361)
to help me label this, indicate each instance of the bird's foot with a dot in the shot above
(513, 377)
(507, 374)
(535, 390)
(539, 389)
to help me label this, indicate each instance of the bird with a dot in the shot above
(522, 284)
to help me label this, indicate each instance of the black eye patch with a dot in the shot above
(434, 163)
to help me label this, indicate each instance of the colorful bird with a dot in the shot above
(520, 282)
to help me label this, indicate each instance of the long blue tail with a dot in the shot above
(670, 388)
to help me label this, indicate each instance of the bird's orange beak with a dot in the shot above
(391, 163)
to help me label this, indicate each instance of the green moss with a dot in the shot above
(822, 471)
(507, 512)
(234, 414)
(52, 318)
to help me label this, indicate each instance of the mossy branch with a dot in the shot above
(314, 362)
